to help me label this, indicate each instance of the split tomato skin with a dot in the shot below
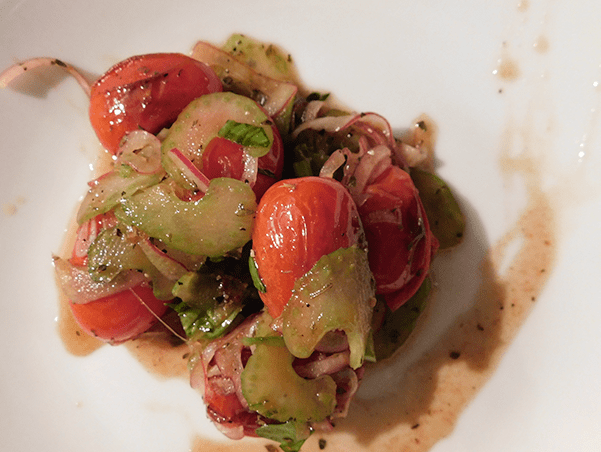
(120, 317)
(400, 242)
(298, 221)
(147, 92)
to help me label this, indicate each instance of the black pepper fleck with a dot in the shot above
(454, 355)
(322, 444)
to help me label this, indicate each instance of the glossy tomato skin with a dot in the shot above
(400, 242)
(120, 317)
(223, 158)
(298, 221)
(148, 92)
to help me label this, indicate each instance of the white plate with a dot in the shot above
(397, 57)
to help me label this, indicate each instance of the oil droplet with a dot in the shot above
(507, 69)
(9, 209)
(541, 44)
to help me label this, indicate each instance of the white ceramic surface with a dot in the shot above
(397, 57)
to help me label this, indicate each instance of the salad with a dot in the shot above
(285, 240)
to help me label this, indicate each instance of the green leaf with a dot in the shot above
(317, 96)
(254, 273)
(290, 435)
(245, 134)
(206, 323)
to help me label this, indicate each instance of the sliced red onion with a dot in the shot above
(229, 348)
(79, 288)
(86, 233)
(413, 156)
(331, 124)
(312, 110)
(333, 342)
(376, 127)
(142, 151)
(229, 360)
(373, 163)
(218, 370)
(278, 94)
(333, 163)
(373, 125)
(16, 70)
(359, 168)
(197, 375)
(168, 266)
(189, 170)
(347, 384)
(323, 365)
(336, 160)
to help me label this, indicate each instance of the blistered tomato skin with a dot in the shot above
(400, 241)
(120, 317)
(299, 221)
(147, 92)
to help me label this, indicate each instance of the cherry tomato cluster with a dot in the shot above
(298, 220)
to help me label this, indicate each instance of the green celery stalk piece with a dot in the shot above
(220, 222)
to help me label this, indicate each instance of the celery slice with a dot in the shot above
(271, 387)
(109, 189)
(336, 294)
(220, 222)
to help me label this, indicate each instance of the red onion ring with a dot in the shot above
(18, 69)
